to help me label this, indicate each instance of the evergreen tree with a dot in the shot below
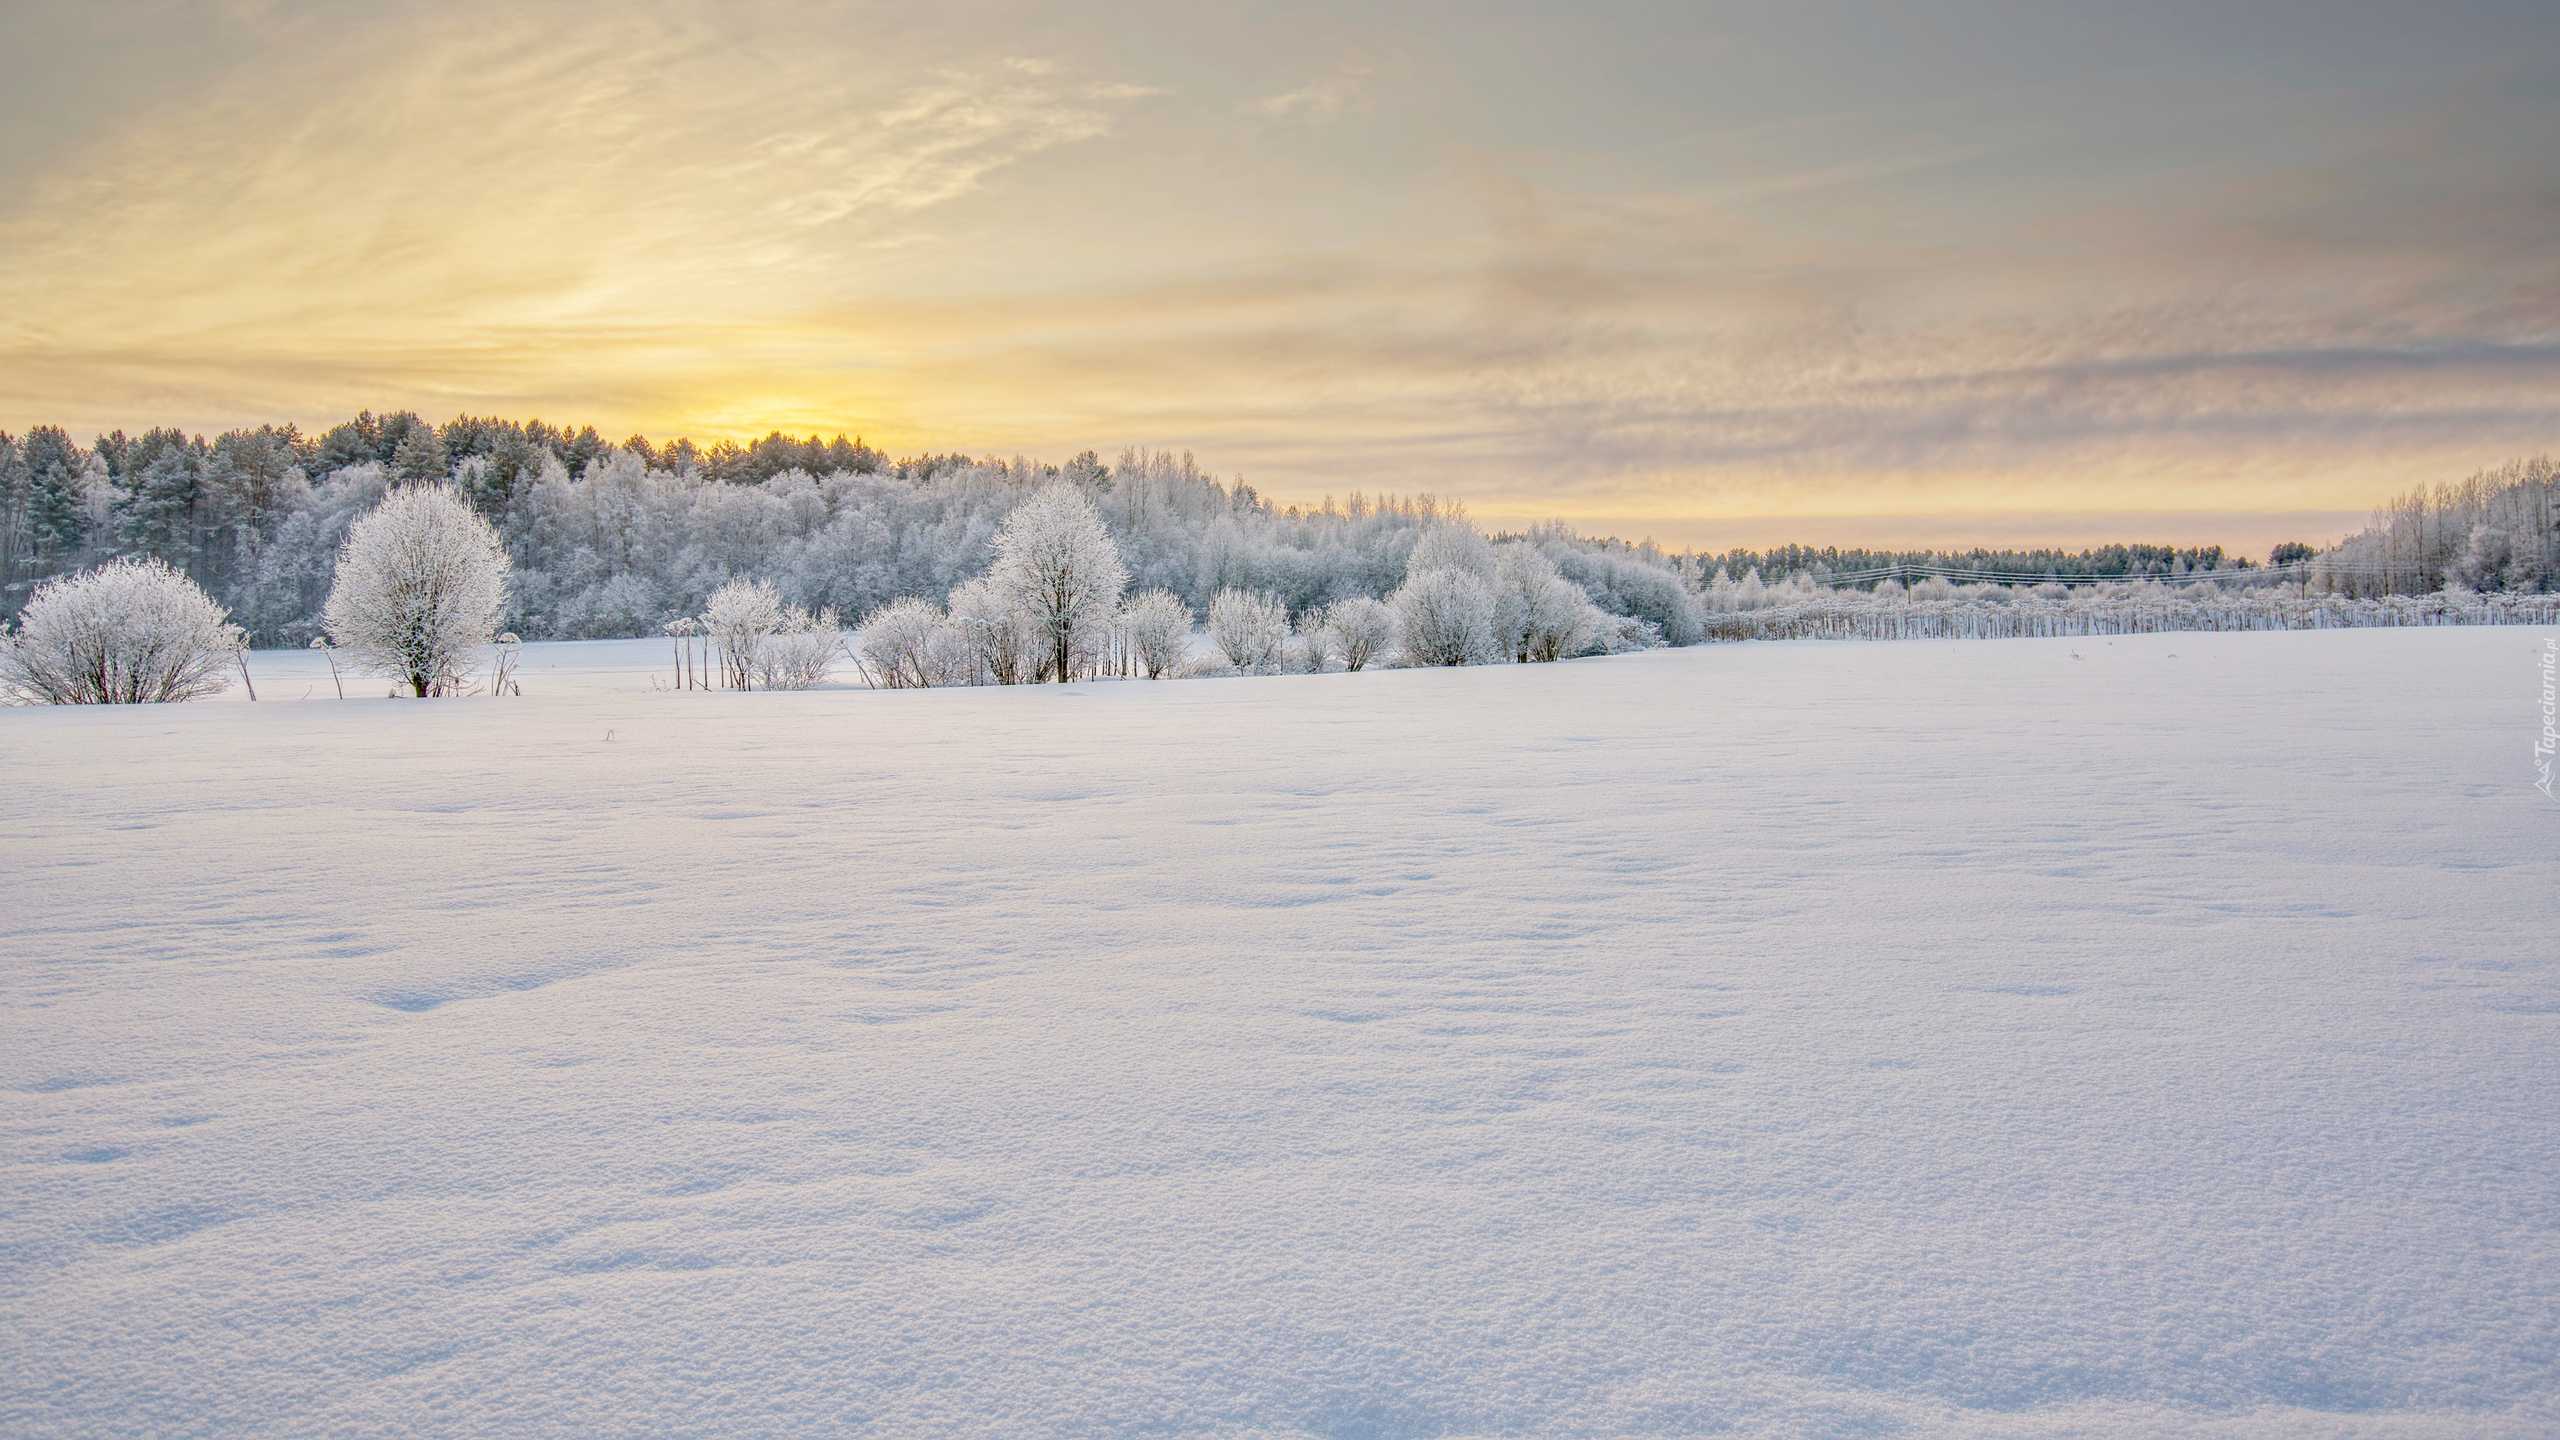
(419, 457)
(156, 509)
(57, 520)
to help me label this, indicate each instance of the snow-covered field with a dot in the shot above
(2017, 1038)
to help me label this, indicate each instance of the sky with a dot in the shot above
(1722, 274)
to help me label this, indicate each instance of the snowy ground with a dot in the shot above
(1933, 1039)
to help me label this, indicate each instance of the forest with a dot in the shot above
(608, 539)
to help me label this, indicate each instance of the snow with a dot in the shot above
(2006, 1038)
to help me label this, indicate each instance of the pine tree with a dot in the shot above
(57, 520)
(156, 507)
(419, 458)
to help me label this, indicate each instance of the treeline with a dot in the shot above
(608, 539)
(1935, 609)
(2496, 530)
(1862, 567)
(613, 538)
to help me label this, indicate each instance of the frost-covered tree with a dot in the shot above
(419, 587)
(1056, 560)
(1564, 622)
(1537, 613)
(1452, 545)
(741, 616)
(1445, 617)
(2487, 560)
(1518, 572)
(1251, 630)
(1361, 628)
(1445, 610)
(1158, 626)
(1010, 647)
(132, 631)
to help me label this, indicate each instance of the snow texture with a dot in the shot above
(2157, 1036)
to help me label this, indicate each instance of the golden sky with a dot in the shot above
(1725, 274)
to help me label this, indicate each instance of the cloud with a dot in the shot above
(500, 177)
(713, 222)
(1321, 101)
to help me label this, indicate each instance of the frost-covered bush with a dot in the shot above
(1445, 610)
(1361, 630)
(908, 642)
(1316, 648)
(1158, 626)
(420, 584)
(801, 652)
(129, 632)
(1621, 634)
(1445, 617)
(1537, 613)
(1563, 621)
(1056, 562)
(1626, 580)
(1006, 644)
(741, 617)
(1250, 630)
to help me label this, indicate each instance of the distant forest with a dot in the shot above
(2105, 562)
(610, 539)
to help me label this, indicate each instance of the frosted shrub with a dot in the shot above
(1316, 645)
(419, 586)
(901, 642)
(741, 617)
(1361, 629)
(1057, 564)
(1537, 613)
(1445, 617)
(129, 632)
(1006, 644)
(1620, 634)
(1564, 622)
(1251, 630)
(1624, 580)
(1158, 625)
(801, 652)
